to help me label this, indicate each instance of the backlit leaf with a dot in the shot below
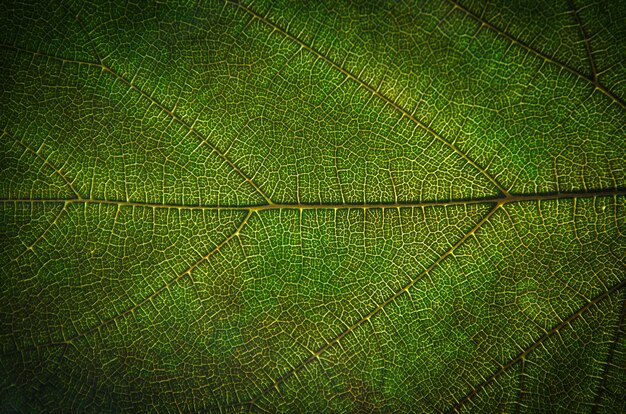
(313, 206)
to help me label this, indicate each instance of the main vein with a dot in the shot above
(512, 198)
(497, 204)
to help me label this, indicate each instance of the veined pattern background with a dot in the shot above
(255, 206)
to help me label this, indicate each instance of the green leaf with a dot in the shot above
(313, 206)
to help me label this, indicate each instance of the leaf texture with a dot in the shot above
(251, 206)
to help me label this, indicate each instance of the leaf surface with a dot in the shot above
(285, 206)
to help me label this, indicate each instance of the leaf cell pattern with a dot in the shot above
(313, 206)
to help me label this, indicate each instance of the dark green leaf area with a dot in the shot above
(255, 206)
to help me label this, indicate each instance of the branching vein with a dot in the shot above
(153, 295)
(43, 234)
(585, 36)
(374, 91)
(536, 344)
(330, 343)
(540, 54)
(107, 69)
(47, 164)
(619, 332)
